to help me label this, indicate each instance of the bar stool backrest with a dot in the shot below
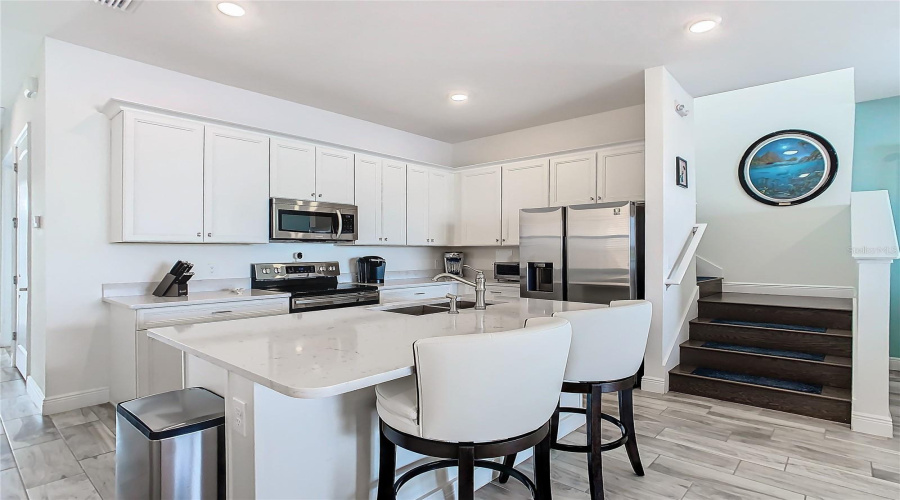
(607, 343)
(491, 386)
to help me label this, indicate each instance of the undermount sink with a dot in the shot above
(441, 307)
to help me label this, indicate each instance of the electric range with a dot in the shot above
(313, 285)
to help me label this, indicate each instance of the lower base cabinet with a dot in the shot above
(141, 366)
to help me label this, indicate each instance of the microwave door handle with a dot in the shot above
(340, 224)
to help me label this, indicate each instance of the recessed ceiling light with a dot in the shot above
(791, 152)
(703, 25)
(230, 9)
(459, 97)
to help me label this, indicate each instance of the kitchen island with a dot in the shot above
(300, 403)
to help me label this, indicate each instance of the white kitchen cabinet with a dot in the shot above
(417, 206)
(235, 186)
(141, 366)
(526, 184)
(292, 169)
(157, 178)
(393, 203)
(620, 174)
(381, 198)
(573, 179)
(480, 206)
(334, 176)
(429, 206)
(440, 207)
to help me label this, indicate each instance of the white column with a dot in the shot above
(871, 360)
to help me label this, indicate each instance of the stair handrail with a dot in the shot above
(676, 276)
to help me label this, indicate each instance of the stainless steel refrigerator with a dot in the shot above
(583, 253)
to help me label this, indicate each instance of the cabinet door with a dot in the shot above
(161, 179)
(440, 207)
(368, 199)
(621, 177)
(480, 206)
(235, 187)
(292, 170)
(393, 203)
(526, 184)
(417, 206)
(573, 179)
(334, 176)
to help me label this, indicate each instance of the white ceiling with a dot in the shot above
(522, 63)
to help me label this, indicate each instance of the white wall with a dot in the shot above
(80, 258)
(619, 125)
(807, 244)
(670, 216)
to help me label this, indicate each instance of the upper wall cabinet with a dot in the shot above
(381, 198)
(334, 176)
(179, 181)
(526, 184)
(620, 174)
(292, 170)
(301, 171)
(157, 178)
(480, 206)
(429, 206)
(573, 179)
(235, 186)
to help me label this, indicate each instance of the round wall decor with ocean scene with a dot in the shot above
(788, 167)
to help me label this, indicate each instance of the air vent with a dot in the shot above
(123, 5)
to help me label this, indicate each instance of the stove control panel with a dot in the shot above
(268, 272)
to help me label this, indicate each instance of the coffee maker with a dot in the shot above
(370, 269)
(453, 263)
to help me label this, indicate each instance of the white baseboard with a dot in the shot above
(895, 364)
(877, 425)
(75, 400)
(841, 292)
(653, 384)
(35, 393)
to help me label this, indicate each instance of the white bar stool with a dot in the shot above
(607, 350)
(454, 408)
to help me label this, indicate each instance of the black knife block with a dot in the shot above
(173, 286)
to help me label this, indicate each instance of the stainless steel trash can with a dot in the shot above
(171, 446)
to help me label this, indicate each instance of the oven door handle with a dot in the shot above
(340, 223)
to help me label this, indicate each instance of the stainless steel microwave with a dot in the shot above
(506, 271)
(300, 220)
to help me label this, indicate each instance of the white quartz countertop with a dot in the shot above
(390, 284)
(326, 353)
(152, 301)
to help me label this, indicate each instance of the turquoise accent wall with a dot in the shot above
(876, 165)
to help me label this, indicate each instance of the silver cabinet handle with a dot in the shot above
(320, 195)
(497, 240)
(208, 234)
(222, 312)
(313, 195)
(199, 234)
(23, 289)
(385, 239)
(379, 239)
(592, 198)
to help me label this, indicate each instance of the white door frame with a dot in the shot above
(7, 248)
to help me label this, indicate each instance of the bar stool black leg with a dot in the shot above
(387, 466)
(554, 426)
(542, 468)
(466, 478)
(595, 462)
(509, 461)
(626, 414)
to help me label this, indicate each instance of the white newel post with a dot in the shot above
(874, 242)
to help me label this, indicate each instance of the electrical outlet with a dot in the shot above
(239, 417)
(212, 269)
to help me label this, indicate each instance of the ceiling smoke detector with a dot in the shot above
(123, 5)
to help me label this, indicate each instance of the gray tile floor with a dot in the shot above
(692, 448)
(70, 455)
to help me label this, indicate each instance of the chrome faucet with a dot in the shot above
(479, 285)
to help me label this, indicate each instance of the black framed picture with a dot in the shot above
(681, 172)
(788, 167)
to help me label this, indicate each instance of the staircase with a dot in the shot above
(784, 353)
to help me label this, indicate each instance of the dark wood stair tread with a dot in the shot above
(829, 359)
(828, 392)
(789, 301)
(837, 332)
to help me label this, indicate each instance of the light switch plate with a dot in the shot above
(239, 416)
